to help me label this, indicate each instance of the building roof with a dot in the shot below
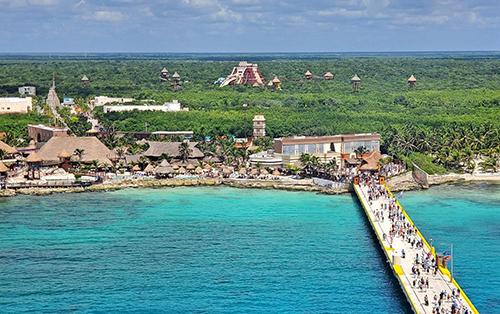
(149, 168)
(328, 74)
(308, 73)
(176, 75)
(328, 139)
(3, 168)
(164, 163)
(355, 78)
(93, 149)
(412, 78)
(259, 117)
(47, 128)
(276, 80)
(85, 78)
(164, 170)
(33, 158)
(64, 154)
(7, 148)
(371, 162)
(164, 70)
(156, 149)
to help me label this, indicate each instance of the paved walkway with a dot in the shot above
(427, 287)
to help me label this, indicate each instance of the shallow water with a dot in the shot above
(222, 250)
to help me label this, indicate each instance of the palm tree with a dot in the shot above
(184, 151)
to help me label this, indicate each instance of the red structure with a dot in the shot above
(244, 74)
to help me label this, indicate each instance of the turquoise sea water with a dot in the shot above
(225, 250)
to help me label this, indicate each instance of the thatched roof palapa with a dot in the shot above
(328, 75)
(190, 167)
(371, 162)
(162, 170)
(136, 168)
(33, 158)
(64, 154)
(156, 149)
(3, 168)
(7, 148)
(93, 149)
(355, 78)
(181, 170)
(164, 163)
(149, 168)
(198, 170)
(412, 78)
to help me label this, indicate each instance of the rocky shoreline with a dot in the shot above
(403, 182)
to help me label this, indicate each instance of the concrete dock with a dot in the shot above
(429, 288)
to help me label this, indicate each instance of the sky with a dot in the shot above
(248, 25)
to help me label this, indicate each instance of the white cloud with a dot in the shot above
(342, 12)
(23, 3)
(106, 16)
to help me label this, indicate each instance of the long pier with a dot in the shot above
(427, 284)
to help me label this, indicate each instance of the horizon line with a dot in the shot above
(249, 52)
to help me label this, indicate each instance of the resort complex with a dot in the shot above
(328, 127)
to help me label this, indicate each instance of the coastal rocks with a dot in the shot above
(303, 185)
(7, 193)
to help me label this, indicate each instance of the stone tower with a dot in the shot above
(259, 126)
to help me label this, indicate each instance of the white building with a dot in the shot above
(103, 100)
(27, 90)
(166, 107)
(15, 104)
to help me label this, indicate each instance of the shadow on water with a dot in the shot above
(394, 287)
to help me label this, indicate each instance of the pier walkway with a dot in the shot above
(428, 287)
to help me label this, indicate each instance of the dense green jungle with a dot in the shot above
(449, 119)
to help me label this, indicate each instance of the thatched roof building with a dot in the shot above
(149, 169)
(355, 78)
(157, 149)
(93, 149)
(328, 76)
(34, 158)
(7, 149)
(308, 75)
(371, 162)
(3, 168)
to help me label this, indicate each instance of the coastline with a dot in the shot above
(402, 182)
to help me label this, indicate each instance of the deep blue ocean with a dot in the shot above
(229, 250)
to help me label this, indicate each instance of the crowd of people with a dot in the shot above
(424, 264)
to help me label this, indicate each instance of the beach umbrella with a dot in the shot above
(198, 170)
(136, 168)
(276, 172)
(242, 171)
(181, 170)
